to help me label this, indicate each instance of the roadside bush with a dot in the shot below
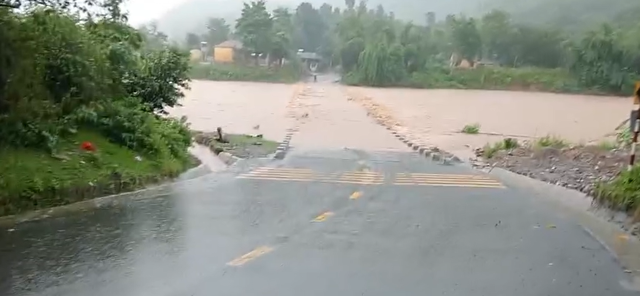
(128, 123)
(53, 68)
(162, 76)
(623, 193)
(228, 72)
(59, 75)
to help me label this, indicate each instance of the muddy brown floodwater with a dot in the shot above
(437, 116)
(237, 107)
(434, 117)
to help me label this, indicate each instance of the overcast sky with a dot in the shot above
(142, 11)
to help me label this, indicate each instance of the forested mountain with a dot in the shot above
(569, 14)
(191, 15)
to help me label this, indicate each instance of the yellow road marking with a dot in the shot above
(453, 185)
(446, 180)
(250, 256)
(276, 179)
(452, 181)
(276, 174)
(364, 178)
(355, 195)
(357, 182)
(452, 176)
(323, 217)
(270, 169)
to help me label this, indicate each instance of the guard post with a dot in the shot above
(633, 124)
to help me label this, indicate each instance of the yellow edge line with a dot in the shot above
(309, 180)
(357, 182)
(281, 170)
(278, 179)
(323, 217)
(441, 175)
(452, 185)
(361, 175)
(442, 178)
(450, 182)
(355, 195)
(281, 174)
(250, 256)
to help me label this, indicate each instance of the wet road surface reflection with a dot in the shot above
(38, 256)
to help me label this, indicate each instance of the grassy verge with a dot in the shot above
(240, 145)
(623, 193)
(33, 179)
(230, 72)
(493, 78)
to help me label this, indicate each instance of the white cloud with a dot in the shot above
(142, 11)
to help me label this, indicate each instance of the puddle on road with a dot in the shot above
(208, 158)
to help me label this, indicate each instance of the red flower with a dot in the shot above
(88, 146)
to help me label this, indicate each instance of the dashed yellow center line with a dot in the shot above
(250, 256)
(322, 217)
(363, 178)
(355, 195)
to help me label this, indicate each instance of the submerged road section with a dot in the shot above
(349, 211)
(340, 222)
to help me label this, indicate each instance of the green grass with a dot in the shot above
(506, 144)
(551, 141)
(33, 179)
(607, 145)
(471, 128)
(231, 72)
(492, 78)
(623, 193)
(240, 145)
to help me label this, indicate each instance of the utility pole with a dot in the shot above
(634, 124)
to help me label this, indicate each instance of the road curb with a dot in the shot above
(151, 191)
(432, 152)
(228, 158)
(282, 149)
(428, 151)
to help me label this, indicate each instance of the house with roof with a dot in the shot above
(228, 51)
(311, 60)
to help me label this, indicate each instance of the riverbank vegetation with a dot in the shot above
(231, 72)
(82, 98)
(493, 50)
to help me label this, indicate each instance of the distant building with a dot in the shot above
(310, 59)
(227, 52)
(195, 55)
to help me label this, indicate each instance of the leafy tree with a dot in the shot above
(350, 4)
(218, 31)
(254, 27)
(466, 38)
(193, 41)
(152, 37)
(497, 35)
(282, 32)
(311, 28)
(600, 60)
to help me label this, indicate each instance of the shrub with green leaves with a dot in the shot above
(623, 193)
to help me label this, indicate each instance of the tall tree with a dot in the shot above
(192, 40)
(311, 29)
(217, 31)
(254, 27)
(466, 38)
(350, 4)
(497, 35)
(282, 32)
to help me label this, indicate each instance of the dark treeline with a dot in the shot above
(373, 47)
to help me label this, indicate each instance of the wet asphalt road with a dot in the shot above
(375, 238)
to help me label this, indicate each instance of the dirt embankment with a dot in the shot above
(560, 137)
(437, 116)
